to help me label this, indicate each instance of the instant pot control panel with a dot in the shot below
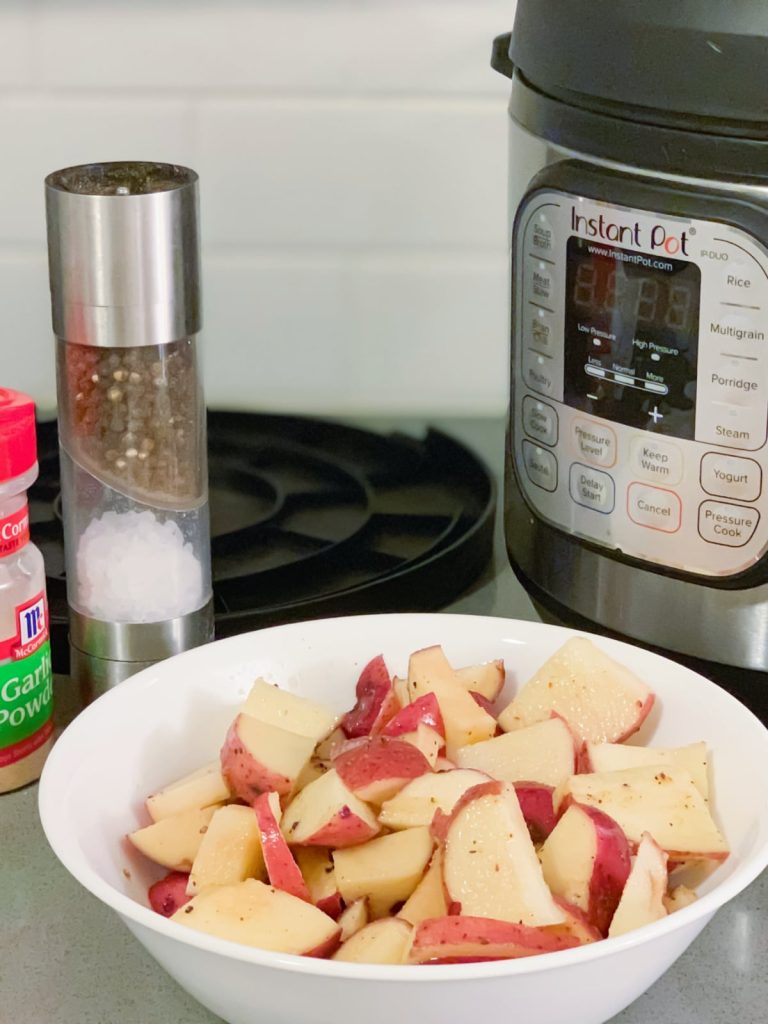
(640, 366)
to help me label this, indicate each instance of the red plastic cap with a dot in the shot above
(18, 440)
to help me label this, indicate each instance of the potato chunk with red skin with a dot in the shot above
(169, 894)
(376, 701)
(379, 767)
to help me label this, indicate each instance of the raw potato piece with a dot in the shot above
(230, 851)
(611, 757)
(465, 721)
(462, 938)
(490, 864)
(327, 813)
(601, 700)
(428, 898)
(170, 893)
(202, 788)
(353, 918)
(174, 842)
(642, 901)
(376, 701)
(576, 924)
(543, 752)
(381, 942)
(286, 710)
(417, 802)
(427, 740)
(256, 914)
(386, 870)
(679, 897)
(379, 767)
(538, 807)
(486, 679)
(662, 801)
(258, 757)
(282, 870)
(424, 711)
(317, 868)
(586, 862)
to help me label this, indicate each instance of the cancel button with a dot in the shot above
(731, 525)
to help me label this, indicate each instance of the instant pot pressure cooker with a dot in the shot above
(637, 464)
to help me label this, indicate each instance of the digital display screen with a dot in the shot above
(631, 336)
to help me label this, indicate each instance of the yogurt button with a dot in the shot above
(730, 476)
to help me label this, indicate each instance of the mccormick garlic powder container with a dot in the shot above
(26, 681)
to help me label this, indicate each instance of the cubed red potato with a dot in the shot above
(204, 787)
(678, 897)
(259, 915)
(353, 918)
(425, 710)
(428, 898)
(490, 864)
(385, 870)
(661, 800)
(417, 802)
(316, 866)
(543, 752)
(258, 757)
(611, 757)
(169, 894)
(576, 924)
(376, 701)
(385, 941)
(458, 938)
(642, 901)
(465, 721)
(486, 679)
(174, 841)
(282, 870)
(538, 808)
(327, 813)
(602, 700)
(288, 711)
(379, 767)
(586, 862)
(230, 851)
(427, 740)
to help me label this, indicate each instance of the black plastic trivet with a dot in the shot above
(311, 518)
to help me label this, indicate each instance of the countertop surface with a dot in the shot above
(67, 959)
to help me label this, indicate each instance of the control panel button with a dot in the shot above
(595, 442)
(730, 525)
(540, 421)
(657, 460)
(540, 465)
(654, 508)
(738, 382)
(592, 489)
(541, 236)
(730, 476)
(540, 281)
(540, 331)
(737, 328)
(537, 373)
(732, 426)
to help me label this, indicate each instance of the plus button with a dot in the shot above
(656, 415)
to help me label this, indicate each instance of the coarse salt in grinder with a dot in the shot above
(123, 256)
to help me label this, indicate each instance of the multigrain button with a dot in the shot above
(654, 508)
(730, 525)
(540, 465)
(537, 373)
(730, 476)
(540, 420)
(595, 442)
(660, 461)
(592, 489)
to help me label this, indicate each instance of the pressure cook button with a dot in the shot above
(730, 525)
(654, 508)
(541, 236)
(537, 373)
(592, 489)
(540, 420)
(540, 465)
(729, 476)
(595, 442)
(660, 461)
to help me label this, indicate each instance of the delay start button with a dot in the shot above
(730, 525)
(592, 489)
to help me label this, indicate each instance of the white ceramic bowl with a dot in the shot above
(171, 718)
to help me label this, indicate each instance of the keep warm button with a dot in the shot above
(731, 525)
(654, 508)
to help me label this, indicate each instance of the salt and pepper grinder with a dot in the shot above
(123, 250)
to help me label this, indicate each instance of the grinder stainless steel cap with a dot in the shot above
(123, 247)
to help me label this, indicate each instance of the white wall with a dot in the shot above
(352, 156)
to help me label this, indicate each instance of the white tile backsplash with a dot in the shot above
(353, 178)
